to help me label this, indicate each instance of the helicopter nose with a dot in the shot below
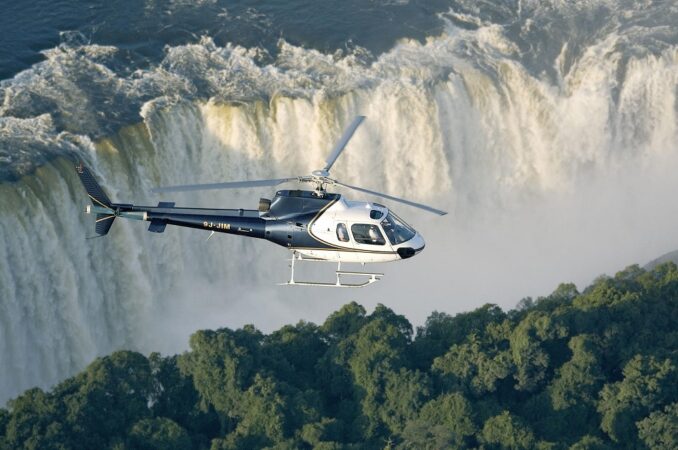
(412, 247)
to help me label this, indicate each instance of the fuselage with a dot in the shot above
(327, 228)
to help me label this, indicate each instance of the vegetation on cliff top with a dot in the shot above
(596, 369)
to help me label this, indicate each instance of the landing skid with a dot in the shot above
(372, 277)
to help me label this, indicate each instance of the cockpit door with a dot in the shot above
(369, 237)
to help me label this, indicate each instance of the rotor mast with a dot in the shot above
(321, 180)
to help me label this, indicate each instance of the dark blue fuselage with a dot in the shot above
(285, 223)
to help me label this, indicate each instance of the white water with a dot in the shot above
(545, 182)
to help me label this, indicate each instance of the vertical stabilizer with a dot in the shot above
(96, 194)
(101, 204)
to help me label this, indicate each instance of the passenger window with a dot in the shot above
(367, 234)
(342, 232)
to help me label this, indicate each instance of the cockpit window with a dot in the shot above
(396, 229)
(342, 232)
(376, 214)
(367, 234)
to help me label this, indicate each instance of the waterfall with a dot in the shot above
(545, 178)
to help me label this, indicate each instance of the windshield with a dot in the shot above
(396, 229)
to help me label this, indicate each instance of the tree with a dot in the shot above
(222, 365)
(379, 349)
(292, 353)
(176, 398)
(90, 410)
(33, 422)
(573, 393)
(648, 383)
(445, 422)
(345, 322)
(263, 413)
(4, 420)
(531, 359)
(478, 365)
(404, 394)
(590, 442)
(103, 402)
(158, 434)
(323, 432)
(441, 331)
(508, 432)
(659, 431)
(564, 294)
(579, 380)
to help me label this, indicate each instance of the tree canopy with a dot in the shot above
(596, 369)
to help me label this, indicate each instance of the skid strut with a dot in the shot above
(372, 277)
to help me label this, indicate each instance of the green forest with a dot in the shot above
(589, 370)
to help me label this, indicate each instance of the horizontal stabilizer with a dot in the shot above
(157, 225)
(166, 205)
(103, 223)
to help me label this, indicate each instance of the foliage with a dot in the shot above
(158, 433)
(647, 383)
(506, 431)
(596, 369)
(659, 430)
(445, 422)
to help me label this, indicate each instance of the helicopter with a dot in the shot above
(315, 225)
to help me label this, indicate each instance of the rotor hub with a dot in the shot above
(320, 178)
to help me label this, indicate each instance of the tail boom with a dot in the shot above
(232, 221)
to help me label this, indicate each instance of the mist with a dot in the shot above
(501, 256)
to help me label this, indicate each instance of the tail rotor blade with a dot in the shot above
(395, 199)
(227, 185)
(339, 147)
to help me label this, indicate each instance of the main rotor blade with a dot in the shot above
(396, 199)
(348, 133)
(227, 185)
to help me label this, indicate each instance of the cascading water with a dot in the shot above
(553, 153)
